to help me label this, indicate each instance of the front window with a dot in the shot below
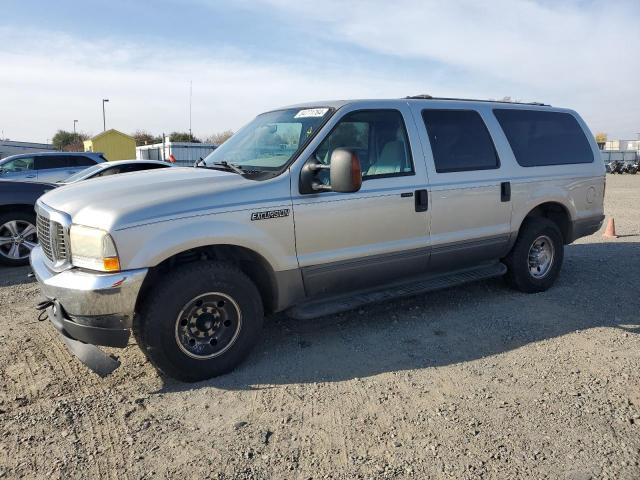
(22, 164)
(271, 140)
(377, 137)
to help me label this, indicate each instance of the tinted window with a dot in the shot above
(80, 161)
(110, 171)
(378, 137)
(54, 161)
(137, 168)
(544, 138)
(87, 172)
(459, 140)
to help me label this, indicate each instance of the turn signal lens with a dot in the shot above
(111, 264)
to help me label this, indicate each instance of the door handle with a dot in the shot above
(30, 176)
(422, 200)
(505, 191)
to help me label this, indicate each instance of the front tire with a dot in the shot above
(200, 321)
(536, 258)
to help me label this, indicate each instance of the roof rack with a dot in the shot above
(429, 97)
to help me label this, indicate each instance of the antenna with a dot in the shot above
(190, 96)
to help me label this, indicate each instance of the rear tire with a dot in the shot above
(200, 321)
(534, 262)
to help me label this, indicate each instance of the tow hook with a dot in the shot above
(42, 308)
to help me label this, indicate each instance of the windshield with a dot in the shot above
(270, 140)
(82, 173)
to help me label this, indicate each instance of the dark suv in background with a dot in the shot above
(47, 166)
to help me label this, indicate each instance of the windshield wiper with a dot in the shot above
(224, 165)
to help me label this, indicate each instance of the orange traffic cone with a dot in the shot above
(610, 232)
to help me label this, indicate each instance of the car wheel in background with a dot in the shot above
(17, 237)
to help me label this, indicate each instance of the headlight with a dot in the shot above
(94, 249)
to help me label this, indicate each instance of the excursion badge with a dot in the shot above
(269, 214)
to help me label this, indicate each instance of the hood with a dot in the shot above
(125, 200)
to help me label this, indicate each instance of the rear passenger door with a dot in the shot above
(52, 168)
(77, 163)
(469, 191)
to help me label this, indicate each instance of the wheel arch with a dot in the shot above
(19, 207)
(558, 213)
(251, 263)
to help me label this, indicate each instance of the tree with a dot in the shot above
(220, 137)
(69, 141)
(183, 137)
(145, 138)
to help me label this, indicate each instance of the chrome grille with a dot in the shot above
(51, 236)
(59, 242)
(43, 226)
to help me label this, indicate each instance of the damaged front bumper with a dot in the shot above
(89, 308)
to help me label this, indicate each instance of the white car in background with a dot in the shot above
(113, 168)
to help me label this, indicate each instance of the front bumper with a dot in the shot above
(95, 308)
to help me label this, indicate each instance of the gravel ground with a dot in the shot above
(473, 382)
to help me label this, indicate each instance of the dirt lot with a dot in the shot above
(474, 382)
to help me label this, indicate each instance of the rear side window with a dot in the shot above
(80, 161)
(54, 161)
(544, 138)
(459, 140)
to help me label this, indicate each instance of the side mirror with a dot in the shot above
(345, 173)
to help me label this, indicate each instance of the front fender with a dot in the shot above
(148, 245)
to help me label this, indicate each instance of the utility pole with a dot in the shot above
(74, 127)
(190, 96)
(104, 120)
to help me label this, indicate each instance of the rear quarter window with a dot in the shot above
(544, 138)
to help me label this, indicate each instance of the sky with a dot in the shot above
(58, 60)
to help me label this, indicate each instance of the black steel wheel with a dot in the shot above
(199, 321)
(208, 325)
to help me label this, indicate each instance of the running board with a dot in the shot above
(417, 286)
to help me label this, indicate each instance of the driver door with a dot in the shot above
(21, 168)
(347, 241)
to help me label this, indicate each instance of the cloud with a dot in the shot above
(50, 79)
(578, 54)
(581, 54)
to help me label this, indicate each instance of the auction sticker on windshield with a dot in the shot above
(311, 112)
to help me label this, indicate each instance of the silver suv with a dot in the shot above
(315, 209)
(48, 167)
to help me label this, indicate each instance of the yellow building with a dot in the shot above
(114, 144)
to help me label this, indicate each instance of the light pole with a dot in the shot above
(104, 121)
(74, 126)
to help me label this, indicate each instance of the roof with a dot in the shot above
(422, 98)
(111, 131)
(54, 153)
